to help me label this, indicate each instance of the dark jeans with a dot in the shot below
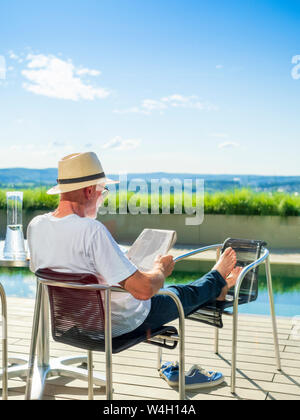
(192, 296)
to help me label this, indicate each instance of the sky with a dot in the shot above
(152, 85)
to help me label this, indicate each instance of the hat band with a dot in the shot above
(81, 179)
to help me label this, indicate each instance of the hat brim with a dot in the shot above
(63, 188)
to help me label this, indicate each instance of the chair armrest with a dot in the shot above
(3, 298)
(246, 270)
(197, 251)
(176, 300)
(3, 312)
(73, 285)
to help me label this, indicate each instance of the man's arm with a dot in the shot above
(144, 285)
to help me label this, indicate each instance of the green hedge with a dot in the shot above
(247, 202)
(36, 199)
(239, 202)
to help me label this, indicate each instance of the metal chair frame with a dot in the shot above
(265, 258)
(4, 344)
(40, 340)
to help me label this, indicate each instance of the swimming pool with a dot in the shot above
(20, 282)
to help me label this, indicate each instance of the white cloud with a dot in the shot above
(32, 155)
(295, 59)
(228, 145)
(296, 69)
(119, 144)
(50, 76)
(13, 56)
(178, 99)
(88, 72)
(148, 106)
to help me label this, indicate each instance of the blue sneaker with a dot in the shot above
(195, 378)
(170, 372)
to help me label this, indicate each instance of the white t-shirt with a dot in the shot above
(83, 245)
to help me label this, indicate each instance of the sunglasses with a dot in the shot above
(105, 192)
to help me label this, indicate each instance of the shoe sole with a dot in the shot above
(194, 386)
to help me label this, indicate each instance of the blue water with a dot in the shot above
(286, 304)
(20, 282)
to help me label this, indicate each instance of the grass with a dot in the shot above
(238, 202)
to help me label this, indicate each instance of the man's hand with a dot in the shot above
(165, 263)
(144, 285)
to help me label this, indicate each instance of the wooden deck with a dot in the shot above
(134, 371)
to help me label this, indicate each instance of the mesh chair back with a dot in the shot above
(247, 251)
(77, 316)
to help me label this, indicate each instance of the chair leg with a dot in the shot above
(108, 345)
(216, 340)
(90, 375)
(34, 337)
(234, 346)
(159, 357)
(4, 344)
(181, 353)
(218, 253)
(273, 316)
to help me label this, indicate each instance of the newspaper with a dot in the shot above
(149, 244)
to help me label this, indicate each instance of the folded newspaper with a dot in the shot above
(149, 244)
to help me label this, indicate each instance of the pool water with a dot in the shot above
(20, 282)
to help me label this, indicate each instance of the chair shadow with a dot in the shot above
(61, 381)
(251, 381)
(207, 391)
(268, 393)
(15, 391)
(292, 380)
(51, 391)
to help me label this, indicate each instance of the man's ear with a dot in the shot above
(88, 192)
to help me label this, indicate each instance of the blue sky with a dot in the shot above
(156, 85)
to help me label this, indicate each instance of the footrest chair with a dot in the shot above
(250, 255)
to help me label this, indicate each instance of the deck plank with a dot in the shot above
(134, 371)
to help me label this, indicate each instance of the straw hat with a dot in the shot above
(79, 170)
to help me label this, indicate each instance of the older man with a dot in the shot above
(70, 239)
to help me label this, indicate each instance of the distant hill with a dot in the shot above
(31, 178)
(23, 177)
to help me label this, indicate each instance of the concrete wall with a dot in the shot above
(277, 231)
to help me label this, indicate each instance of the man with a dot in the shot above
(71, 240)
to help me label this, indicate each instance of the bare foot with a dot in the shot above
(231, 280)
(226, 262)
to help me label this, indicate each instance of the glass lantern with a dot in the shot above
(14, 247)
